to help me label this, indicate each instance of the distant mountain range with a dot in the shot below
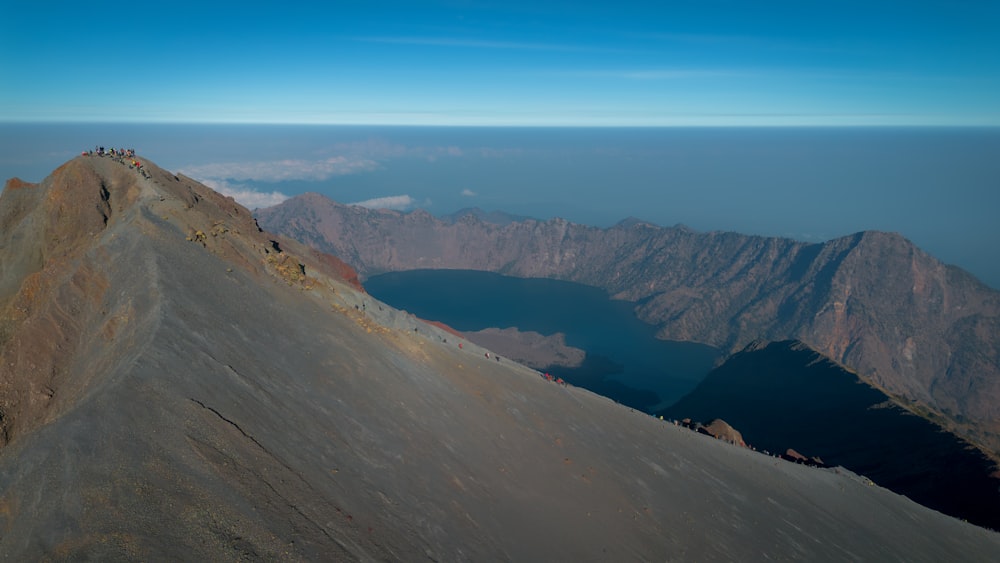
(494, 217)
(922, 331)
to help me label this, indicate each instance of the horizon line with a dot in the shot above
(522, 125)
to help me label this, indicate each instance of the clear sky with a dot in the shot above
(798, 62)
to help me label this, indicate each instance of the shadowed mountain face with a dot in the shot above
(784, 395)
(176, 384)
(872, 301)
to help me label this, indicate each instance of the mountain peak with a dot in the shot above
(493, 217)
(58, 239)
(630, 222)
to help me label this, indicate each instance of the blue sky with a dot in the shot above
(503, 63)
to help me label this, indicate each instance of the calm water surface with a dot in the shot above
(624, 359)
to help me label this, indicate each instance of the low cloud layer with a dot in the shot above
(247, 197)
(469, 193)
(281, 170)
(396, 202)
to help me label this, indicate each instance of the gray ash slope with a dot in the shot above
(176, 384)
(921, 330)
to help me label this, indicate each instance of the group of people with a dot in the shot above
(549, 377)
(120, 155)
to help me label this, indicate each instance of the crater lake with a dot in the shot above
(624, 360)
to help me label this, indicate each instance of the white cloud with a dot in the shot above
(396, 202)
(247, 197)
(469, 193)
(281, 170)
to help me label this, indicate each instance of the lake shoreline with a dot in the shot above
(603, 346)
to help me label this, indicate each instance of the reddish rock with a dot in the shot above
(720, 429)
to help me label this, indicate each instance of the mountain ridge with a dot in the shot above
(922, 330)
(58, 289)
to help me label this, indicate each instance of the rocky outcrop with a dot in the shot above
(919, 329)
(794, 456)
(721, 430)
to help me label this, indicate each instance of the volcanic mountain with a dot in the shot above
(925, 332)
(177, 384)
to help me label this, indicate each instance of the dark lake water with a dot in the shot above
(624, 359)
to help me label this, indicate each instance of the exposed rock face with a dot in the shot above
(873, 301)
(177, 385)
(786, 397)
(792, 455)
(721, 430)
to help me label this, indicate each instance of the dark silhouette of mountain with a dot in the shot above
(784, 395)
(176, 384)
(921, 330)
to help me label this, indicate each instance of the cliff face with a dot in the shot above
(873, 301)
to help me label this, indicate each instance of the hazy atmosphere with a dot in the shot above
(938, 187)
(718, 64)
(805, 76)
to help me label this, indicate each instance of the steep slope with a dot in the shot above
(210, 392)
(915, 327)
(59, 246)
(783, 395)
